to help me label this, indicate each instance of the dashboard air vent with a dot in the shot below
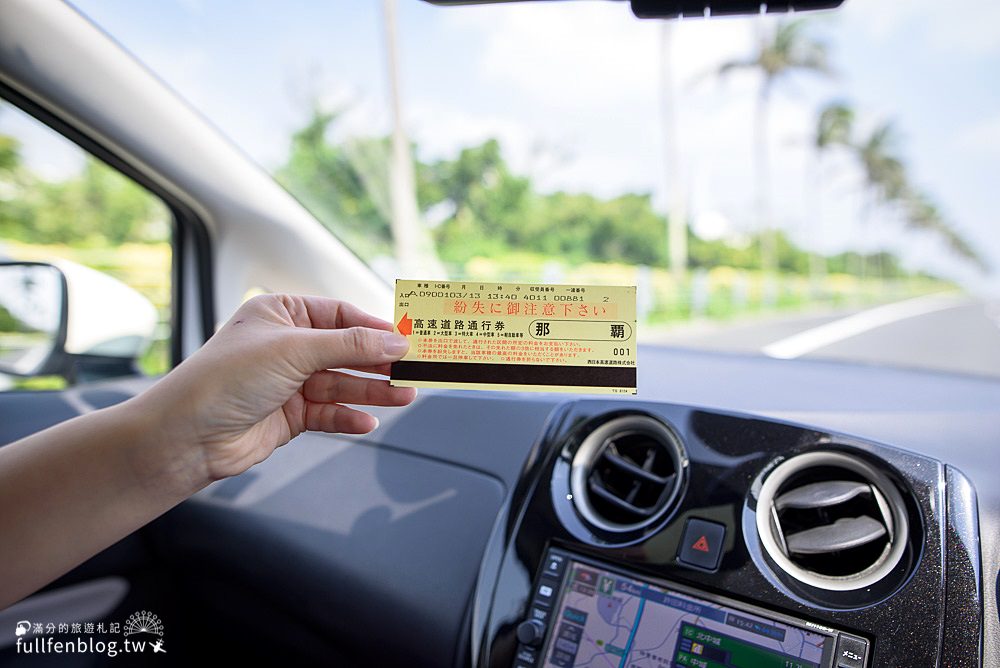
(626, 473)
(832, 521)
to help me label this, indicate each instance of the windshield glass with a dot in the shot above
(815, 186)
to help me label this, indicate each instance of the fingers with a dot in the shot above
(325, 313)
(381, 369)
(349, 348)
(333, 386)
(337, 419)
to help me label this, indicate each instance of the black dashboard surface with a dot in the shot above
(728, 455)
(373, 544)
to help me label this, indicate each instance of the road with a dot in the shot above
(940, 332)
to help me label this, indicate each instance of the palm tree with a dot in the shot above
(887, 181)
(834, 127)
(885, 175)
(922, 214)
(789, 49)
(884, 172)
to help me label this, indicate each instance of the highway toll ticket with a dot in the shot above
(516, 336)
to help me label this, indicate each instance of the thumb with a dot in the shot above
(352, 347)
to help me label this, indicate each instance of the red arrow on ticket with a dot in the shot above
(405, 325)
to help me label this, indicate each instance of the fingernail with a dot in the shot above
(394, 344)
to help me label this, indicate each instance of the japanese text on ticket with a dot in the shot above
(516, 336)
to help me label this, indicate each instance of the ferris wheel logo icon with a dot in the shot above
(143, 621)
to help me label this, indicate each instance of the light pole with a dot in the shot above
(413, 246)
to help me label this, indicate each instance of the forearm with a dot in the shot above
(72, 490)
(68, 492)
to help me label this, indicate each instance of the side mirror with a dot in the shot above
(70, 321)
(34, 305)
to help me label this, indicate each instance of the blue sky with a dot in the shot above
(571, 90)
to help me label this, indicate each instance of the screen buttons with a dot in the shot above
(531, 632)
(528, 655)
(555, 564)
(701, 545)
(545, 592)
(539, 615)
(852, 652)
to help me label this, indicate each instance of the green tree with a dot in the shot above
(117, 209)
(488, 205)
(99, 206)
(493, 210)
(10, 150)
(340, 185)
(706, 254)
(10, 163)
(582, 227)
(10, 154)
(481, 207)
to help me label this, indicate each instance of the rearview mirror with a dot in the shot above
(667, 9)
(33, 310)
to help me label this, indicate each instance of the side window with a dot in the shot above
(108, 236)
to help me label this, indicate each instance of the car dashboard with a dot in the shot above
(678, 536)
(702, 523)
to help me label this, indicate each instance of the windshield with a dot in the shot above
(804, 187)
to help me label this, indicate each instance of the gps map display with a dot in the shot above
(608, 620)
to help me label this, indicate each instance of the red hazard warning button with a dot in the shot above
(701, 545)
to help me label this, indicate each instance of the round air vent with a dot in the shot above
(626, 473)
(832, 521)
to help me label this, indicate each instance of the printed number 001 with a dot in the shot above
(621, 351)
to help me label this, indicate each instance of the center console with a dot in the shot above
(599, 615)
(659, 536)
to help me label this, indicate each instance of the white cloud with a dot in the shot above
(981, 138)
(967, 27)
(958, 27)
(196, 7)
(591, 55)
(442, 131)
(594, 79)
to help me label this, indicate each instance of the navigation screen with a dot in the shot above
(606, 620)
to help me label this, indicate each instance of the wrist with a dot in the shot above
(163, 461)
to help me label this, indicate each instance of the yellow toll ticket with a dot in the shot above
(516, 336)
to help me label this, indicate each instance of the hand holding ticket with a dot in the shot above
(516, 336)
